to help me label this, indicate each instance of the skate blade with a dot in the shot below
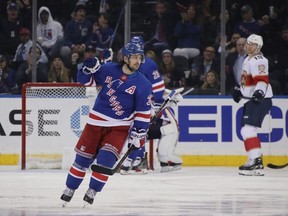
(170, 169)
(139, 172)
(64, 204)
(134, 172)
(251, 172)
(85, 204)
(123, 172)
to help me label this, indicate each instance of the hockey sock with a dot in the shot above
(98, 180)
(253, 146)
(137, 153)
(141, 152)
(77, 171)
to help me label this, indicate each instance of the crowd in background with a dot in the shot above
(181, 36)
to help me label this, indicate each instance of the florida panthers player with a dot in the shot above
(255, 89)
(121, 111)
(165, 129)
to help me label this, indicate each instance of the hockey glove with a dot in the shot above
(258, 96)
(90, 65)
(137, 138)
(237, 94)
(107, 55)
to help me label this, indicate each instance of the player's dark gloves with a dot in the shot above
(237, 94)
(258, 96)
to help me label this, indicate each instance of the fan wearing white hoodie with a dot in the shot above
(49, 33)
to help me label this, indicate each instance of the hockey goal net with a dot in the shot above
(53, 117)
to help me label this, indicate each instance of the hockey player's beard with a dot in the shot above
(132, 69)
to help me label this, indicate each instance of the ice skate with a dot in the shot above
(253, 167)
(67, 196)
(170, 166)
(144, 162)
(89, 197)
(138, 167)
(125, 167)
(138, 171)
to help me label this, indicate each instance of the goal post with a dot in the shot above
(53, 117)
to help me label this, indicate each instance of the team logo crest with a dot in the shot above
(82, 148)
(124, 77)
(261, 68)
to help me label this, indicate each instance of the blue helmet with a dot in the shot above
(137, 40)
(132, 49)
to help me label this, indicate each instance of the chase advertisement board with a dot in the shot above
(207, 126)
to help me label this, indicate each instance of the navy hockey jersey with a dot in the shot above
(123, 99)
(150, 70)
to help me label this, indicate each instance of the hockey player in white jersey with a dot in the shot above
(256, 92)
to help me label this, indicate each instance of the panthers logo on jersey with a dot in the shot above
(261, 69)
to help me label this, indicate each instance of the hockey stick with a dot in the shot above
(188, 91)
(111, 171)
(274, 166)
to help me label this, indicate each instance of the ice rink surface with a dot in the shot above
(201, 191)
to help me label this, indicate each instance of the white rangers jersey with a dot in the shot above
(255, 76)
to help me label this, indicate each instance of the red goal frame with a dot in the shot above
(23, 104)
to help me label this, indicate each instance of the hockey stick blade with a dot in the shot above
(274, 166)
(108, 170)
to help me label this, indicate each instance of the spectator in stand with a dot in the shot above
(173, 78)
(159, 28)
(234, 62)
(151, 54)
(58, 72)
(188, 33)
(201, 65)
(230, 46)
(49, 33)
(77, 32)
(7, 76)
(22, 51)
(118, 57)
(248, 25)
(9, 30)
(193, 79)
(77, 61)
(24, 73)
(212, 29)
(279, 59)
(102, 35)
(25, 9)
(211, 85)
